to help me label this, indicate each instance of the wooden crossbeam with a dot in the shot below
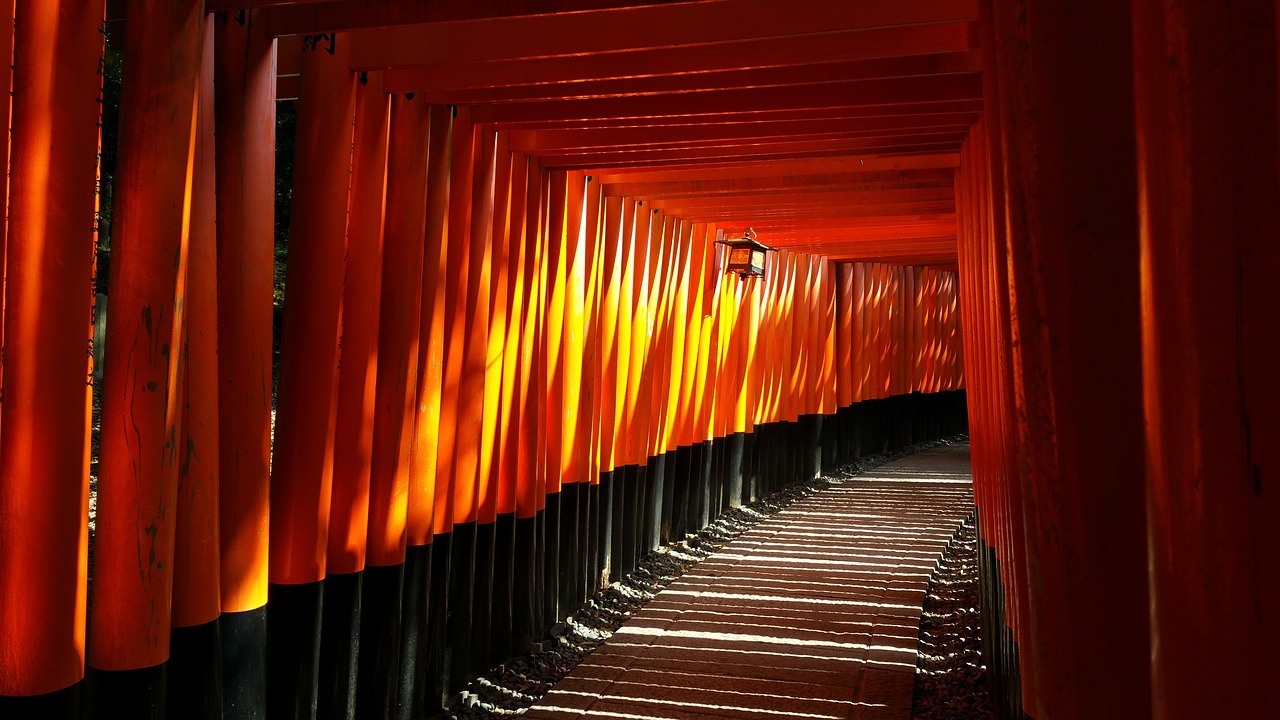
(663, 26)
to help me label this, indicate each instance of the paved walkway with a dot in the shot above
(813, 613)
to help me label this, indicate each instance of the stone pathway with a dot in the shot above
(812, 614)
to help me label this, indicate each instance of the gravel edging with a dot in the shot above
(951, 681)
(514, 686)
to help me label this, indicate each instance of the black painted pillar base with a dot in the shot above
(620, 510)
(628, 511)
(339, 647)
(244, 664)
(378, 673)
(604, 529)
(121, 694)
(462, 588)
(677, 510)
(415, 618)
(704, 505)
(723, 450)
(482, 602)
(61, 704)
(524, 588)
(437, 624)
(674, 477)
(750, 466)
(571, 531)
(551, 560)
(195, 672)
(830, 443)
(504, 559)
(653, 495)
(736, 469)
(593, 542)
(293, 649)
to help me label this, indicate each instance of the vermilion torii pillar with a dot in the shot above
(245, 119)
(143, 387)
(44, 457)
(357, 386)
(1209, 171)
(6, 107)
(1065, 110)
(397, 355)
(302, 461)
(194, 685)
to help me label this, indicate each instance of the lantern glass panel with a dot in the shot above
(757, 261)
(739, 258)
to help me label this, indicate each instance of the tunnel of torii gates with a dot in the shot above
(512, 362)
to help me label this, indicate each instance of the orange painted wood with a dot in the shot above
(554, 330)
(614, 247)
(196, 563)
(650, 85)
(1076, 350)
(44, 452)
(857, 332)
(530, 473)
(733, 316)
(428, 494)
(872, 389)
(831, 370)
(844, 334)
(677, 349)
(845, 95)
(749, 152)
(627, 359)
(310, 16)
(818, 327)
(547, 207)
(514, 371)
(142, 392)
(6, 107)
(681, 67)
(361, 312)
(785, 362)
(1210, 352)
(803, 332)
(995, 441)
(692, 361)
(575, 251)
(766, 347)
(902, 318)
(658, 366)
(399, 326)
(640, 374)
(457, 497)
(780, 168)
(245, 117)
(808, 182)
(302, 452)
(798, 338)
(589, 419)
(817, 334)
(653, 134)
(472, 311)
(707, 361)
(750, 358)
(493, 429)
(634, 28)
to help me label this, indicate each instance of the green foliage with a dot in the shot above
(112, 66)
(286, 129)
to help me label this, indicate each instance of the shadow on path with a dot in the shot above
(813, 613)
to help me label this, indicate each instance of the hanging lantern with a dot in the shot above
(746, 255)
